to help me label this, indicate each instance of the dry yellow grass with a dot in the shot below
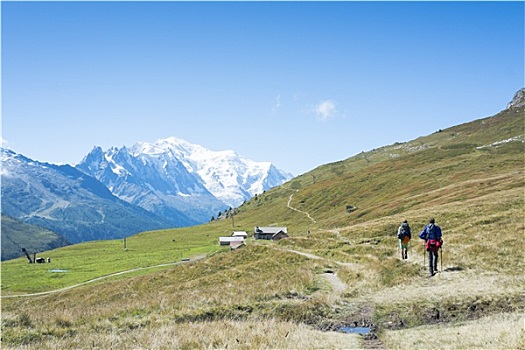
(453, 285)
(151, 333)
(500, 331)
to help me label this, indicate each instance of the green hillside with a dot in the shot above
(17, 235)
(340, 264)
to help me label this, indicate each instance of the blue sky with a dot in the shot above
(299, 84)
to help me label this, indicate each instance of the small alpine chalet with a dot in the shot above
(270, 233)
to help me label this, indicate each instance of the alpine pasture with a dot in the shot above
(339, 267)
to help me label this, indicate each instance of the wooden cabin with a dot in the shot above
(270, 233)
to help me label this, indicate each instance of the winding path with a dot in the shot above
(297, 210)
(338, 287)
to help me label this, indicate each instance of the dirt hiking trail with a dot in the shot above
(299, 211)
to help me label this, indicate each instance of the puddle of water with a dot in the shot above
(58, 270)
(360, 330)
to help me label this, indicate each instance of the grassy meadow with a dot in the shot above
(337, 268)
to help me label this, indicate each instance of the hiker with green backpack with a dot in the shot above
(433, 241)
(404, 236)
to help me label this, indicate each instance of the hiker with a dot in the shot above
(433, 241)
(404, 236)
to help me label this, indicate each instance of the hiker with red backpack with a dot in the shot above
(404, 236)
(433, 241)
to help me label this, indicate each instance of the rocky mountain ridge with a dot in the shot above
(518, 100)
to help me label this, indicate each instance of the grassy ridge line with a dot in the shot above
(376, 181)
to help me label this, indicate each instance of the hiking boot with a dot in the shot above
(406, 255)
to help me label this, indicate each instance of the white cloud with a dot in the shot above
(325, 110)
(4, 142)
(277, 104)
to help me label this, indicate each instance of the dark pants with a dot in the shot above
(433, 256)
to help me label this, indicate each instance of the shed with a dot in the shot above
(240, 234)
(228, 240)
(236, 245)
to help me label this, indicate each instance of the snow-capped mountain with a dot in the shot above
(69, 202)
(227, 175)
(174, 174)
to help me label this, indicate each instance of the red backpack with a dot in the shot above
(433, 245)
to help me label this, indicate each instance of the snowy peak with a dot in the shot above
(227, 175)
(172, 145)
(174, 174)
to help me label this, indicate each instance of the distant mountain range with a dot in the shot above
(68, 202)
(119, 192)
(172, 176)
